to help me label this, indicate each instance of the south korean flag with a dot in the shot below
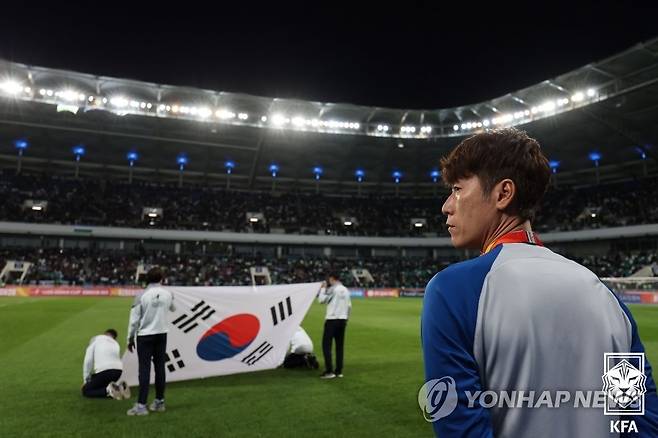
(216, 331)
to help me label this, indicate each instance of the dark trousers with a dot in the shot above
(151, 348)
(333, 329)
(96, 386)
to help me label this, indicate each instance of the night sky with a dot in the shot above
(397, 54)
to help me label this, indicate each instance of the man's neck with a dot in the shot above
(506, 225)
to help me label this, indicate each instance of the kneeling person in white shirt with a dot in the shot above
(102, 368)
(300, 353)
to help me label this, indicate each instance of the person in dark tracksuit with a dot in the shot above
(339, 305)
(148, 324)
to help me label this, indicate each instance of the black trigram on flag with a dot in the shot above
(188, 323)
(258, 353)
(281, 310)
(171, 364)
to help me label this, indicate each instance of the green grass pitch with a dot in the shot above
(42, 342)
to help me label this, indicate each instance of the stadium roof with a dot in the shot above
(608, 107)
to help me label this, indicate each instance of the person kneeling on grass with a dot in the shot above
(102, 368)
(300, 353)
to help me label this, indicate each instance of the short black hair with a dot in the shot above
(333, 274)
(112, 333)
(495, 155)
(154, 275)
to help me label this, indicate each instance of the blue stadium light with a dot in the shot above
(274, 170)
(435, 174)
(642, 152)
(132, 157)
(397, 175)
(595, 156)
(181, 159)
(553, 164)
(21, 144)
(360, 174)
(317, 171)
(78, 151)
(229, 166)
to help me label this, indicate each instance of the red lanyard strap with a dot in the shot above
(518, 236)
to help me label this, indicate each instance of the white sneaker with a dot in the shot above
(125, 390)
(328, 376)
(339, 375)
(138, 410)
(157, 406)
(114, 391)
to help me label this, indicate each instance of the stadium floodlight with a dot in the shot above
(397, 176)
(435, 174)
(298, 121)
(204, 112)
(131, 156)
(274, 171)
(317, 171)
(181, 160)
(360, 174)
(253, 219)
(224, 114)
(20, 145)
(119, 102)
(69, 95)
(596, 157)
(554, 165)
(263, 119)
(229, 166)
(400, 145)
(642, 152)
(382, 128)
(243, 116)
(347, 223)
(455, 127)
(279, 120)
(78, 151)
(418, 224)
(11, 86)
(578, 97)
(591, 92)
(485, 122)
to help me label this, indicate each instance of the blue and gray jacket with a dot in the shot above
(522, 317)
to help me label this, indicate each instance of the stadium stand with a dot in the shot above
(94, 267)
(112, 203)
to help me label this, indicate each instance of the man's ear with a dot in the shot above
(504, 193)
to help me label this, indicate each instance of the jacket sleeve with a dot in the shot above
(647, 424)
(325, 295)
(88, 363)
(135, 318)
(450, 366)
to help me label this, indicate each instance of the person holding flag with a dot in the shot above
(339, 306)
(519, 317)
(148, 328)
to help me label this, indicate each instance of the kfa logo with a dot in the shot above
(624, 384)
